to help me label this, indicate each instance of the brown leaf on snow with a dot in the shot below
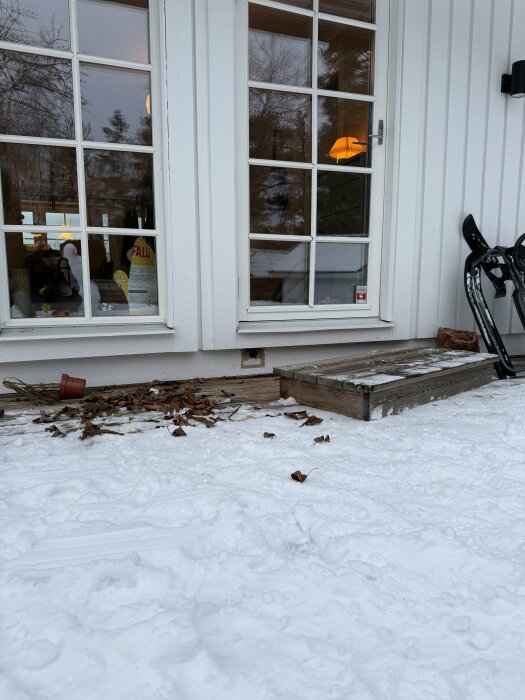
(226, 393)
(312, 420)
(58, 433)
(299, 476)
(269, 435)
(152, 407)
(322, 438)
(297, 415)
(178, 432)
(44, 418)
(90, 429)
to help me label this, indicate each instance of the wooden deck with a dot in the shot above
(260, 389)
(385, 382)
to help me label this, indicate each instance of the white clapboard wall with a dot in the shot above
(459, 150)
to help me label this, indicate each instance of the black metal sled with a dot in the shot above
(501, 265)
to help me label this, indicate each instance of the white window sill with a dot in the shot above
(312, 325)
(101, 331)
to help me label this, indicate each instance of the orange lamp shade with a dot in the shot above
(346, 147)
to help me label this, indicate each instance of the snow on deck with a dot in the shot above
(148, 567)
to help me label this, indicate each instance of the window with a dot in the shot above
(79, 162)
(312, 90)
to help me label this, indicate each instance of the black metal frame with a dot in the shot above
(501, 265)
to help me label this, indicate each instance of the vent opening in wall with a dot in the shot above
(252, 358)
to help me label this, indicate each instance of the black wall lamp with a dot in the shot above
(514, 84)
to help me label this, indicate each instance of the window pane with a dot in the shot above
(280, 46)
(280, 200)
(340, 269)
(280, 125)
(123, 271)
(116, 29)
(37, 181)
(278, 273)
(343, 201)
(35, 22)
(345, 58)
(363, 10)
(119, 189)
(343, 130)
(45, 274)
(116, 104)
(36, 96)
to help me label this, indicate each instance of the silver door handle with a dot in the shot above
(380, 133)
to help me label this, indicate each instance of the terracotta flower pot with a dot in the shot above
(71, 387)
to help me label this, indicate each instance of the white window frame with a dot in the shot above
(375, 240)
(154, 68)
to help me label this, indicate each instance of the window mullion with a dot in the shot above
(86, 291)
(313, 198)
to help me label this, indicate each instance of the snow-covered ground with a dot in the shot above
(148, 567)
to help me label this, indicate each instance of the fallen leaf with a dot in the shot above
(226, 393)
(58, 433)
(299, 476)
(297, 415)
(312, 420)
(90, 429)
(152, 407)
(269, 435)
(44, 418)
(178, 432)
(322, 438)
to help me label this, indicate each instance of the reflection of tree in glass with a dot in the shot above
(35, 22)
(279, 59)
(280, 125)
(279, 201)
(344, 60)
(36, 95)
(119, 183)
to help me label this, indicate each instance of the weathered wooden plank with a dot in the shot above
(348, 403)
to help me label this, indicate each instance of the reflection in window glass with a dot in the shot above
(36, 96)
(278, 272)
(45, 275)
(280, 200)
(345, 58)
(35, 22)
(342, 204)
(37, 180)
(363, 10)
(116, 104)
(280, 125)
(344, 126)
(280, 46)
(340, 268)
(119, 189)
(305, 4)
(123, 272)
(117, 29)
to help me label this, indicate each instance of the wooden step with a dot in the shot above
(385, 382)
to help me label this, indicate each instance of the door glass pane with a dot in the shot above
(343, 201)
(123, 272)
(119, 189)
(363, 10)
(278, 273)
(280, 125)
(340, 272)
(345, 58)
(36, 96)
(45, 274)
(117, 29)
(280, 200)
(36, 23)
(280, 47)
(116, 104)
(343, 131)
(37, 181)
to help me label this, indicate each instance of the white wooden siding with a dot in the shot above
(461, 150)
